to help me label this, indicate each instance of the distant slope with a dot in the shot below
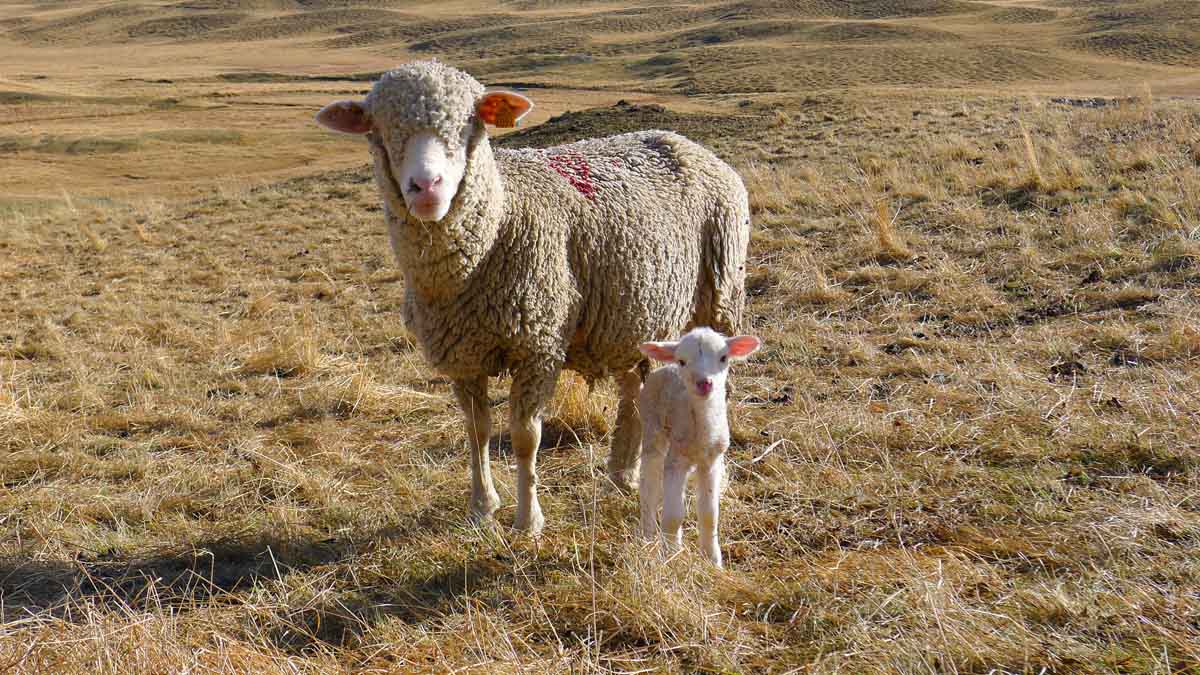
(712, 47)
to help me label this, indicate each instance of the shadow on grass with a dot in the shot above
(344, 620)
(198, 574)
(226, 572)
(184, 576)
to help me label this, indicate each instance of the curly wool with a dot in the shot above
(425, 95)
(568, 256)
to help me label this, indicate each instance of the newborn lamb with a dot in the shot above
(685, 426)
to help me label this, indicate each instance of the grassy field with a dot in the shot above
(970, 445)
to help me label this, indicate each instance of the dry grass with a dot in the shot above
(969, 445)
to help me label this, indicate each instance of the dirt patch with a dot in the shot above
(178, 27)
(19, 97)
(724, 33)
(740, 67)
(240, 5)
(79, 26)
(657, 19)
(301, 23)
(103, 145)
(624, 117)
(260, 76)
(198, 136)
(504, 41)
(890, 9)
(878, 32)
(1024, 15)
(1150, 47)
(61, 145)
(406, 28)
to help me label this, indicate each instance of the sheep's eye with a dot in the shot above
(682, 362)
(724, 359)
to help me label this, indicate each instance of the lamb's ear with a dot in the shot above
(348, 117)
(659, 351)
(742, 346)
(502, 109)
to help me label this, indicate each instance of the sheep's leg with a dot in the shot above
(627, 437)
(674, 483)
(472, 397)
(530, 391)
(650, 483)
(708, 506)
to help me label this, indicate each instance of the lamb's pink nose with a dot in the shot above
(704, 387)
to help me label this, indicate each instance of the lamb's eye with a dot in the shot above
(682, 362)
(724, 359)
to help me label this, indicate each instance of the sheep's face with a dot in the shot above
(703, 357)
(429, 174)
(421, 120)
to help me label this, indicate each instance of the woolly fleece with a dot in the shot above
(526, 272)
(570, 256)
(425, 95)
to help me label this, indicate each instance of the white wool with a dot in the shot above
(685, 429)
(425, 95)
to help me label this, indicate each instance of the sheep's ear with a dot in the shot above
(348, 117)
(503, 109)
(742, 346)
(659, 351)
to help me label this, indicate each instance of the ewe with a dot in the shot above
(684, 427)
(531, 261)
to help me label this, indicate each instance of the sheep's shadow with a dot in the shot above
(204, 575)
(184, 577)
(344, 619)
(220, 572)
(205, 570)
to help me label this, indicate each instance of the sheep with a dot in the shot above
(531, 261)
(685, 427)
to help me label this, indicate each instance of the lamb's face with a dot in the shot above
(420, 119)
(703, 357)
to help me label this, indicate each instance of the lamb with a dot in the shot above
(531, 261)
(685, 427)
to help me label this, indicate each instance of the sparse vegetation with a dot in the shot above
(970, 443)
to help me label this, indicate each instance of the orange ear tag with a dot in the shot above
(506, 115)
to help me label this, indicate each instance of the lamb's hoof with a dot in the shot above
(530, 523)
(482, 512)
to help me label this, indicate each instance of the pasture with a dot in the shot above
(970, 444)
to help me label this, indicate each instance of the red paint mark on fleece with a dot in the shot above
(576, 170)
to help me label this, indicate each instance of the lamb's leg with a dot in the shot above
(650, 483)
(674, 483)
(627, 437)
(708, 506)
(472, 397)
(530, 391)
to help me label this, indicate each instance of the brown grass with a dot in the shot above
(968, 446)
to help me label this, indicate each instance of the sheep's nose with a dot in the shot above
(704, 386)
(423, 184)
